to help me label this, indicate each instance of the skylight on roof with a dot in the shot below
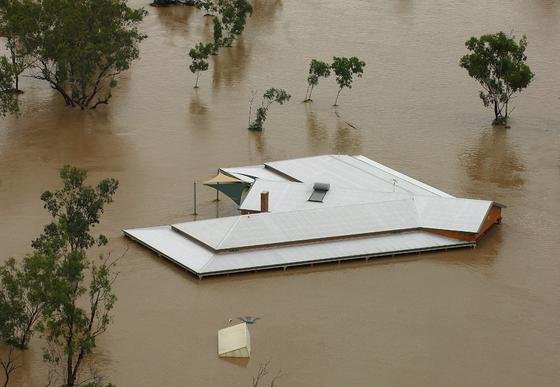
(319, 192)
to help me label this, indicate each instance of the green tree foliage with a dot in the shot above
(81, 46)
(498, 63)
(218, 36)
(229, 19)
(199, 55)
(210, 6)
(231, 15)
(71, 330)
(345, 69)
(18, 25)
(80, 297)
(271, 95)
(57, 289)
(76, 209)
(234, 18)
(317, 69)
(8, 99)
(23, 291)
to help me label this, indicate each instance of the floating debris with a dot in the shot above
(234, 341)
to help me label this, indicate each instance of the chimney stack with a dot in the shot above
(264, 201)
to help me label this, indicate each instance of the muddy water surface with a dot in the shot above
(483, 317)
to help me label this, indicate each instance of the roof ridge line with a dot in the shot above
(371, 174)
(207, 263)
(325, 208)
(403, 176)
(218, 247)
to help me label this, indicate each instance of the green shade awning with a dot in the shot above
(228, 185)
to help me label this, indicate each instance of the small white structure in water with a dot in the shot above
(234, 341)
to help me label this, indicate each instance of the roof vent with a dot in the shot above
(319, 192)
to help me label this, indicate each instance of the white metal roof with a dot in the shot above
(370, 210)
(454, 214)
(352, 172)
(250, 173)
(174, 246)
(289, 196)
(451, 214)
(203, 262)
(296, 226)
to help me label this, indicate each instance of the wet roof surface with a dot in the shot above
(369, 210)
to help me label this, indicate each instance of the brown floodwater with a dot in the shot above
(488, 316)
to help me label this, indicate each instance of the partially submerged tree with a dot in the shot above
(57, 289)
(229, 19)
(199, 55)
(18, 25)
(23, 296)
(9, 365)
(317, 69)
(76, 209)
(262, 372)
(498, 63)
(218, 36)
(234, 18)
(345, 69)
(270, 96)
(8, 99)
(81, 46)
(24, 293)
(79, 305)
(70, 330)
(230, 16)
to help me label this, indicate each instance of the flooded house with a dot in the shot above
(319, 209)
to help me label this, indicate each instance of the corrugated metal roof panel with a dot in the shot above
(293, 226)
(403, 178)
(173, 245)
(202, 262)
(457, 214)
(210, 232)
(288, 196)
(352, 171)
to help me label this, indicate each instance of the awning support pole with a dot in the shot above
(218, 189)
(194, 188)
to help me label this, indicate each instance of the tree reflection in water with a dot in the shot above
(494, 160)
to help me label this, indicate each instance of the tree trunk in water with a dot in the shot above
(496, 114)
(70, 379)
(67, 99)
(310, 92)
(196, 83)
(337, 94)
(9, 366)
(23, 341)
(25, 336)
(307, 93)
